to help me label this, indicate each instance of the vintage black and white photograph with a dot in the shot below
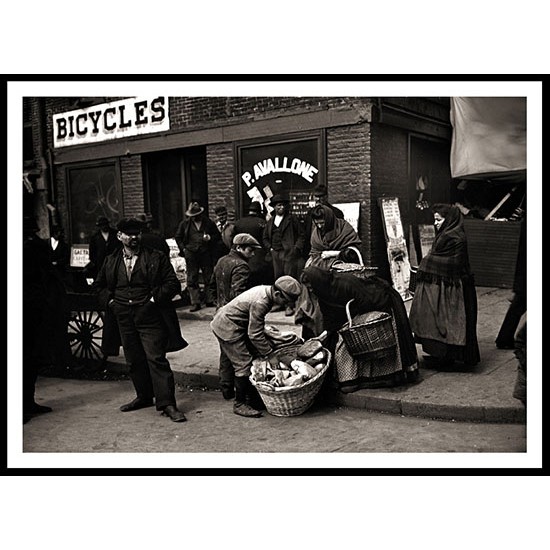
(260, 267)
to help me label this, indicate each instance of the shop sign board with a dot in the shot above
(114, 120)
(80, 255)
(398, 255)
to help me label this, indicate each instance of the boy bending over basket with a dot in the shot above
(239, 327)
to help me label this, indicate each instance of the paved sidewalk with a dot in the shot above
(483, 395)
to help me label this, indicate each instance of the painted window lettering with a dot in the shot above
(276, 164)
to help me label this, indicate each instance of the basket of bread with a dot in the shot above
(290, 389)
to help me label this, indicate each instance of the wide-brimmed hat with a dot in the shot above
(289, 286)
(130, 226)
(102, 220)
(194, 210)
(246, 239)
(279, 199)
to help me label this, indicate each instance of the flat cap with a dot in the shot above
(130, 226)
(245, 239)
(289, 286)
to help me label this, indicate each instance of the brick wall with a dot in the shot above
(132, 186)
(389, 179)
(193, 112)
(348, 174)
(220, 170)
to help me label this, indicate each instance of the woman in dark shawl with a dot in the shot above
(443, 314)
(330, 237)
(333, 291)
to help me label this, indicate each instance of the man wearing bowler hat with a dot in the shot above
(198, 239)
(283, 237)
(137, 284)
(239, 328)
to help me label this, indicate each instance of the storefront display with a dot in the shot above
(290, 167)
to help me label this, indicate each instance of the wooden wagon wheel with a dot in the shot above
(85, 330)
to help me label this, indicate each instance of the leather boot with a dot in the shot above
(242, 391)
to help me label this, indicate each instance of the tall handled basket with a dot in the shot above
(371, 339)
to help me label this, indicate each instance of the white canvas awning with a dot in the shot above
(489, 137)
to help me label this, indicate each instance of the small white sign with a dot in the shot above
(351, 213)
(80, 255)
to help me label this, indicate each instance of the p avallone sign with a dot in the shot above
(114, 120)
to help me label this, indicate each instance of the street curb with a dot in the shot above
(398, 406)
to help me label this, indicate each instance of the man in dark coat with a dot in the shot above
(284, 239)
(320, 195)
(198, 239)
(36, 274)
(137, 285)
(102, 243)
(151, 237)
(261, 271)
(232, 275)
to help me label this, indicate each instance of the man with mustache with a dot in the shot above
(136, 285)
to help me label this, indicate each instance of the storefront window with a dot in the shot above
(291, 167)
(93, 191)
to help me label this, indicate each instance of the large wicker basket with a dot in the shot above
(371, 339)
(294, 400)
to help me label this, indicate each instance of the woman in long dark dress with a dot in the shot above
(333, 291)
(443, 313)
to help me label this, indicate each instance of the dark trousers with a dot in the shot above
(285, 264)
(226, 372)
(32, 318)
(144, 340)
(196, 261)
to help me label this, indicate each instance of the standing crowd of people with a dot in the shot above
(246, 269)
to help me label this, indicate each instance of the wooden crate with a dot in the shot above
(493, 249)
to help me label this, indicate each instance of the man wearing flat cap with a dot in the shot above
(136, 285)
(239, 328)
(261, 271)
(232, 277)
(102, 243)
(320, 195)
(283, 237)
(198, 239)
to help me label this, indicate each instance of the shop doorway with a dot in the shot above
(429, 183)
(171, 180)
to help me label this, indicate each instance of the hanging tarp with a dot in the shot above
(489, 137)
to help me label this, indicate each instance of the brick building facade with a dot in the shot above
(361, 148)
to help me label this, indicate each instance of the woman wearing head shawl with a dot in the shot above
(333, 291)
(330, 237)
(443, 313)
